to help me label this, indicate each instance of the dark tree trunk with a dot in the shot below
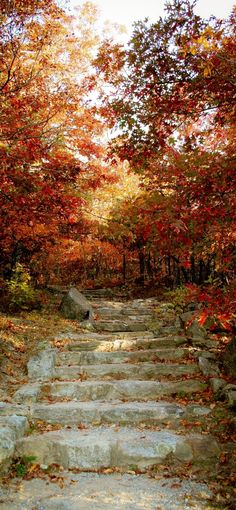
(141, 256)
(193, 269)
(124, 268)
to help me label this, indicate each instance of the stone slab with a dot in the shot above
(10, 409)
(73, 413)
(124, 371)
(117, 326)
(11, 428)
(41, 366)
(105, 390)
(18, 424)
(127, 342)
(92, 491)
(7, 446)
(92, 358)
(107, 447)
(27, 393)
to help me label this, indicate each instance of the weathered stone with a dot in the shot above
(87, 325)
(18, 424)
(126, 389)
(196, 410)
(217, 385)
(98, 293)
(206, 354)
(230, 394)
(75, 306)
(203, 343)
(205, 448)
(10, 409)
(94, 358)
(116, 390)
(229, 358)
(187, 316)
(92, 491)
(7, 446)
(166, 330)
(11, 429)
(27, 393)
(151, 371)
(144, 342)
(117, 326)
(194, 330)
(105, 447)
(208, 366)
(72, 413)
(42, 365)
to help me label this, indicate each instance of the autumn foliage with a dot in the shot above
(168, 98)
(173, 101)
(49, 140)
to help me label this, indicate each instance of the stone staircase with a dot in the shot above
(108, 410)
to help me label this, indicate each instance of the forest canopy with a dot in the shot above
(157, 202)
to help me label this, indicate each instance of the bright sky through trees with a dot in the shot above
(127, 11)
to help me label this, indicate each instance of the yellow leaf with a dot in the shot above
(207, 71)
(32, 468)
(193, 50)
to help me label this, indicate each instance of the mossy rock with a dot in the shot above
(229, 359)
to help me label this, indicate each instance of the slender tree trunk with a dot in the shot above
(185, 273)
(169, 265)
(149, 266)
(200, 275)
(193, 269)
(141, 256)
(124, 267)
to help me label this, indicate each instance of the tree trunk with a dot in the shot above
(124, 268)
(141, 256)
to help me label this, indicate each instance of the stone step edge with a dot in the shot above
(32, 392)
(82, 491)
(139, 356)
(126, 371)
(12, 428)
(106, 447)
(114, 413)
(42, 365)
(93, 413)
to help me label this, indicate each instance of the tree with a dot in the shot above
(175, 71)
(49, 137)
(172, 98)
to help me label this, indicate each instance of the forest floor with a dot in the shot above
(28, 333)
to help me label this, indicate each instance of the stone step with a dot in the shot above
(121, 311)
(119, 447)
(11, 428)
(150, 371)
(120, 325)
(98, 412)
(107, 390)
(126, 342)
(93, 491)
(98, 293)
(141, 356)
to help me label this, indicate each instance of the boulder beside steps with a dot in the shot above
(75, 306)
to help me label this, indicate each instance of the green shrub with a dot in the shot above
(22, 465)
(21, 294)
(178, 297)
